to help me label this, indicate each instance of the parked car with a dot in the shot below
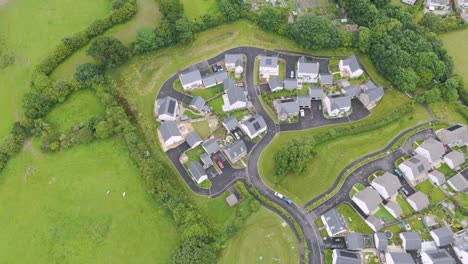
(287, 200)
(302, 112)
(279, 195)
(292, 74)
(398, 172)
(403, 189)
(236, 135)
(320, 107)
(220, 164)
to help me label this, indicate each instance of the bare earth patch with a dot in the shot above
(3, 2)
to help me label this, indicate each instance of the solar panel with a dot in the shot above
(452, 128)
(171, 107)
(287, 100)
(348, 254)
(256, 125)
(414, 160)
(421, 168)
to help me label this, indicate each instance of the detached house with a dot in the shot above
(230, 123)
(170, 133)
(442, 236)
(326, 78)
(316, 93)
(193, 139)
(346, 257)
(191, 80)
(398, 258)
(235, 151)
(354, 241)
(351, 67)
(370, 97)
(210, 146)
(290, 84)
(268, 67)
(352, 91)
(418, 201)
(286, 108)
(432, 150)
(254, 126)
(458, 183)
(368, 200)
(334, 222)
(197, 172)
(307, 72)
(275, 84)
(387, 185)
(381, 242)
(415, 169)
(456, 135)
(374, 223)
(206, 160)
(167, 109)
(234, 98)
(234, 62)
(394, 209)
(337, 104)
(436, 177)
(440, 256)
(197, 103)
(410, 241)
(454, 159)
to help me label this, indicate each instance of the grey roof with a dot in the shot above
(347, 257)
(236, 94)
(456, 134)
(228, 84)
(274, 83)
(413, 240)
(304, 101)
(255, 123)
(236, 149)
(375, 222)
(440, 2)
(189, 77)
(437, 177)
(420, 200)
(197, 102)
(418, 164)
(458, 182)
(169, 129)
(395, 207)
(209, 80)
(326, 78)
(210, 146)
(220, 76)
(401, 258)
(335, 221)
(352, 90)
(444, 234)
(355, 241)
(196, 170)
(193, 139)
(389, 182)
(236, 59)
(230, 123)
(232, 199)
(434, 147)
(381, 241)
(289, 107)
(290, 84)
(370, 85)
(304, 66)
(268, 61)
(456, 157)
(167, 105)
(338, 102)
(370, 197)
(352, 62)
(440, 256)
(429, 221)
(370, 96)
(316, 92)
(206, 159)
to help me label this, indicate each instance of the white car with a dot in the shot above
(302, 112)
(292, 74)
(279, 195)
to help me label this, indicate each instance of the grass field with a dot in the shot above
(357, 224)
(323, 168)
(261, 240)
(202, 127)
(195, 9)
(60, 212)
(445, 111)
(455, 42)
(30, 29)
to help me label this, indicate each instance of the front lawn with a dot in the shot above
(435, 194)
(357, 224)
(202, 128)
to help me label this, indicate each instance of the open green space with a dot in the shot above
(30, 29)
(455, 43)
(436, 195)
(196, 9)
(69, 207)
(216, 208)
(202, 128)
(357, 224)
(447, 112)
(335, 154)
(262, 239)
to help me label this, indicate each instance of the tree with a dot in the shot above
(108, 51)
(315, 32)
(231, 9)
(432, 22)
(430, 96)
(35, 105)
(166, 33)
(406, 79)
(104, 129)
(194, 251)
(146, 41)
(269, 18)
(171, 9)
(293, 156)
(86, 72)
(184, 30)
(364, 39)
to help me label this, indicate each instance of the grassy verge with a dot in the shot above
(357, 224)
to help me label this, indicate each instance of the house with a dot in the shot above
(232, 200)
(433, 5)
(220, 76)
(334, 222)
(167, 109)
(370, 97)
(456, 135)
(442, 236)
(290, 84)
(398, 258)
(346, 257)
(305, 101)
(458, 183)
(394, 209)
(337, 104)
(234, 98)
(316, 93)
(436, 177)
(286, 108)
(191, 80)
(368, 200)
(326, 79)
(387, 185)
(352, 91)
(234, 62)
(275, 84)
(440, 256)
(354, 241)
(170, 133)
(209, 81)
(234, 151)
(197, 172)
(254, 126)
(381, 241)
(228, 84)
(369, 85)
(432, 150)
(415, 169)
(268, 67)
(206, 160)
(350, 67)
(409, 2)
(411, 241)
(307, 72)
(418, 201)
(462, 252)
(374, 223)
(230, 123)
(454, 159)
(197, 103)
(211, 146)
(193, 139)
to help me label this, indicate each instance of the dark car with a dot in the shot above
(287, 200)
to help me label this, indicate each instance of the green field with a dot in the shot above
(60, 212)
(30, 29)
(455, 42)
(195, 9)
(334, 155)
(261, 240)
